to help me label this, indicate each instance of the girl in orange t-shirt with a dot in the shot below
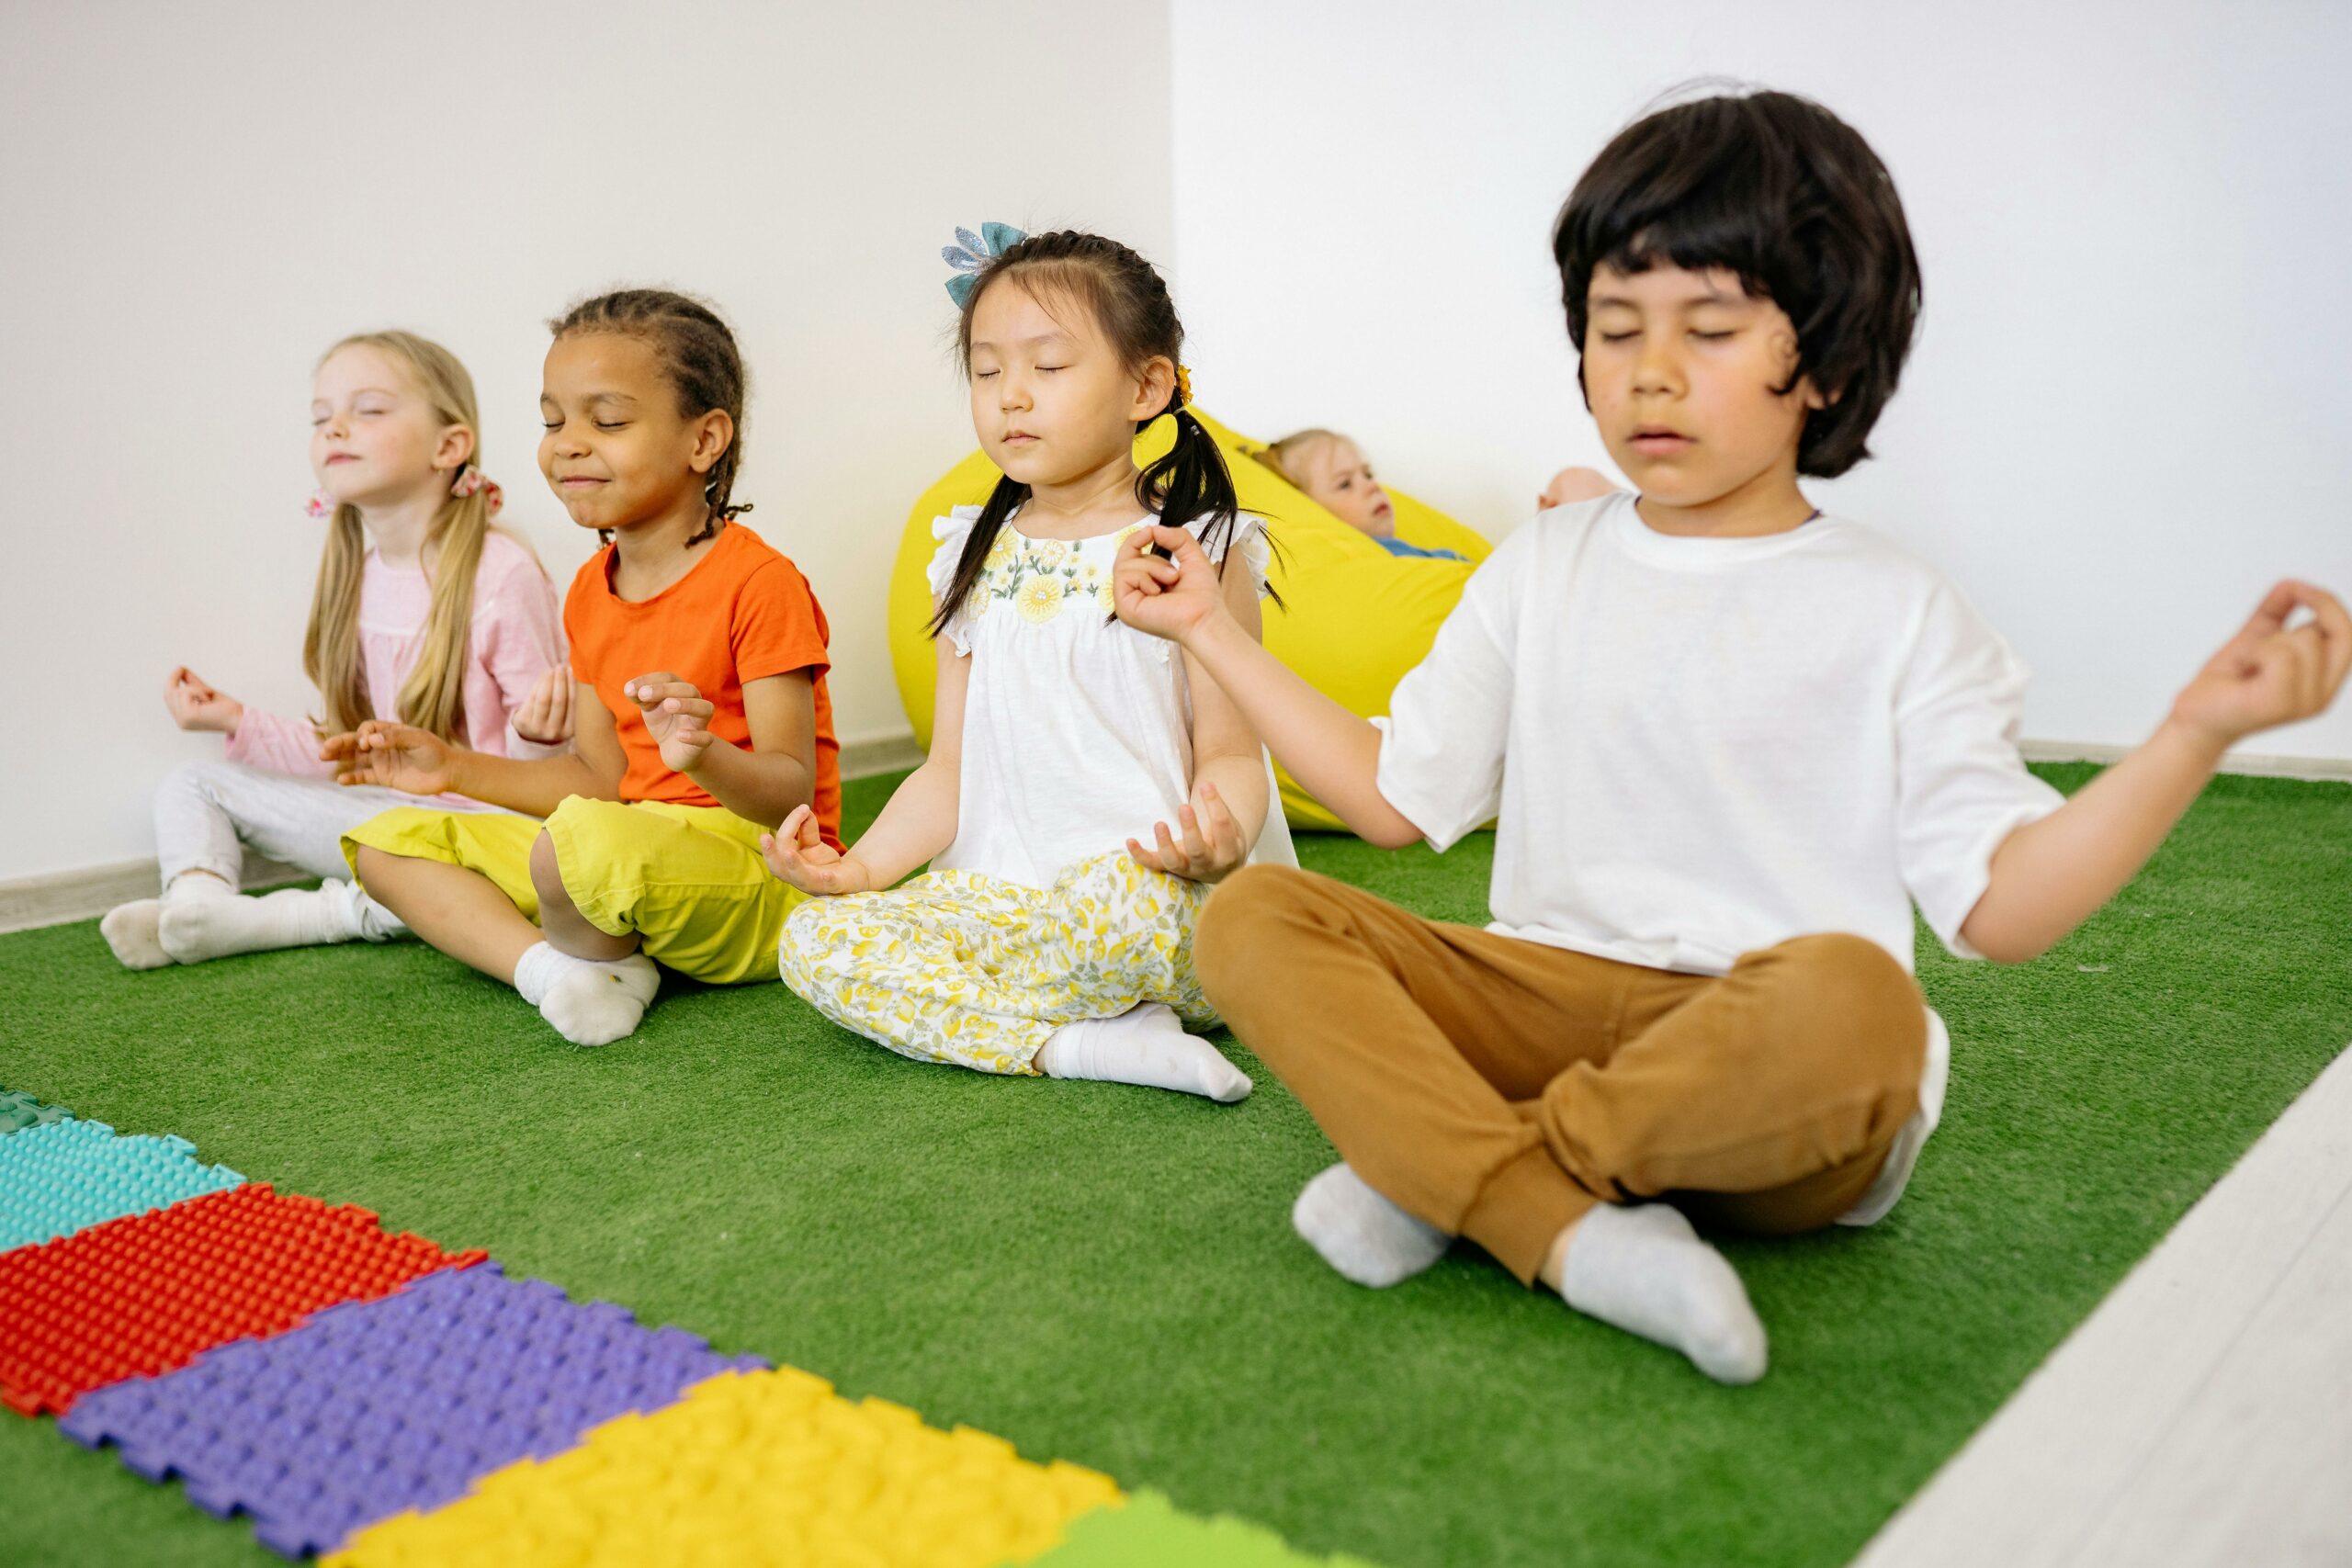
(700, 714)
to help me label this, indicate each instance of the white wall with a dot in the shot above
(2129, 410)
(196, 200)
(2127, 413)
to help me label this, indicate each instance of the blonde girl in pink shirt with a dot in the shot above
(422, 613)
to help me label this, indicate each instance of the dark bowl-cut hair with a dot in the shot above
(1777, 190)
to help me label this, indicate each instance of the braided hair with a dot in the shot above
(697, 352)
(1131, 306)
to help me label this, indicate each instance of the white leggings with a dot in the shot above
(208, 814)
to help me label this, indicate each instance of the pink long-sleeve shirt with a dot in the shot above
(517, 635)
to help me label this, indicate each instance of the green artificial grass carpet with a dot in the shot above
(1108, 1275)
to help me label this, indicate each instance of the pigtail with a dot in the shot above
(1190, 481)
(717, 491)
(331, 641)
(1006, 498)
(435, 695)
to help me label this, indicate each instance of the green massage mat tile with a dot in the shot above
(19, 1110)
(1147, 1531)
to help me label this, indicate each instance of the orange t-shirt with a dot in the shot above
(742, 614)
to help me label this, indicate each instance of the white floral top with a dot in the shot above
(1078, 730)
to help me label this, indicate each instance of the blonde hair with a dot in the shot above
(1293, 448)
(432, 697)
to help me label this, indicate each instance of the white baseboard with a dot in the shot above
(864, 758)
(62, 896)
(2320, 770)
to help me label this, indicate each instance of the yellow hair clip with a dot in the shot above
(1183, 386)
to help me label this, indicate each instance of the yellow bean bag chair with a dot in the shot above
(1353, 617)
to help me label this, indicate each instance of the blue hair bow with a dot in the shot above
(971, 251)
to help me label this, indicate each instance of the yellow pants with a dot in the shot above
(978, 971)
(687, 880)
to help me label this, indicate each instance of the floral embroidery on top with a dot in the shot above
(1044, 577)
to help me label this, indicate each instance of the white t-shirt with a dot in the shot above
(1695, 748)
(1077, 730)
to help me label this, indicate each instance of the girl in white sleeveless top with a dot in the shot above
(1086, 788)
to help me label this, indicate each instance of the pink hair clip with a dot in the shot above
(471, 480)
(320, 505)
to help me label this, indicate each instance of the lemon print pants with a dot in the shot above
(978, 971)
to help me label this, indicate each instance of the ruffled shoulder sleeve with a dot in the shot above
(1248, 535)
(953, 532)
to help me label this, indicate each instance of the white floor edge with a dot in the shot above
(2203, 1415)
(58, 897)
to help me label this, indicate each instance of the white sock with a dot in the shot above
(1641, 1268)
(1361, 1233)
(1146, 1045)
(130, 930)
(134, 929)
(199, 926)
(590, 1002)
(369, 919)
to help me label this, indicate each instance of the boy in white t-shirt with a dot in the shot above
(1728, 743)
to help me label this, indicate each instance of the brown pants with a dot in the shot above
(1498, 1088)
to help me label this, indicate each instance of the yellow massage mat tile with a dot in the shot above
(765, 1467)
